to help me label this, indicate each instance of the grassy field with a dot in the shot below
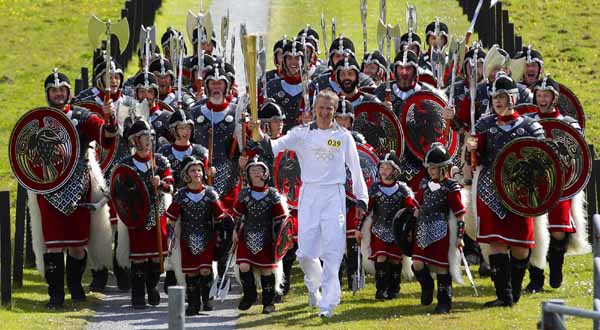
(362, 311)
(38, 36)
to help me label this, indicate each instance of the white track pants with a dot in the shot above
(322, 235)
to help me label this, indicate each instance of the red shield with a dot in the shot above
(527, 176)
(129, 196)
(380, 128)
(284, 238)
(526, 108)
(428, 79)
(569, 105)
(105, 156)
(423, 123)
(43, 149)
(573, 154)
(286, 176)
(368, 164)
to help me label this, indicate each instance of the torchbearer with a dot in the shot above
(51, 157)
(323, 149)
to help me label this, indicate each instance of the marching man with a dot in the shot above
(323, 149)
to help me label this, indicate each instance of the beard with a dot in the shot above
(348, 86)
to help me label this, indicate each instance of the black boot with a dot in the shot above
(123, 275)
(170, 280)
(536, 280)
(556, 257)
(205, 284)
(517, 272)
(351, 260)
(395, 278)
(381, 273)
(288, 261)
(75, 269)
(249, 289)
(500, 267)
(138, 285)
(268, 293)
(152, 277)
(484, 269)
(54, 271)
(444, 294)
(426, 281)
(99, 279)
(192, 291)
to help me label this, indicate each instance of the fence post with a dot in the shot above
(19, 237)
(29, 255)
(85, 79)
(596, 251)
(550, 320)
(176, 307)
(498, 13)
(5, 253)
(78, 86)
(518, 43)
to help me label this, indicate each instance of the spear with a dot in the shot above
(324, 32)
(363, 17)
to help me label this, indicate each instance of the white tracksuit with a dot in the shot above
(323, 155)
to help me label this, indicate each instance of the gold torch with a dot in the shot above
(250, 59)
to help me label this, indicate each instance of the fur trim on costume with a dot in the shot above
(123, 245)
(542, 241)
(473, 219)
(101, 235)
(470, 215)
(453, 252)
(37, 236)
(578, 241)
(173, 262)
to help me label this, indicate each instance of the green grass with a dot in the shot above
(362, 311)
(38, 36)
(565, 33)
(29, 311)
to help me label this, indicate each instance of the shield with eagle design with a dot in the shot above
(368, 159)
(130, 196)
(573, 153)
(284, 238)
(528, 177)
(569, 105)
(380, 127)
(423, 123)
(43, 149)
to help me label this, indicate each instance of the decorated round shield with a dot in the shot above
(380, 127)
(164, 106)
(368, 164)
(569, 105)
(286, 176)
(284, 238)
(528, 176)
(427, 78)
(423, 123)
(526, 108)
(573, 154)
(129, 196)
(105, 156)
(43, 149)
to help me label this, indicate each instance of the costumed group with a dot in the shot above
(411, 166)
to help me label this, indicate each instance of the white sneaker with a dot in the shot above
(314, 298)
(325, 313)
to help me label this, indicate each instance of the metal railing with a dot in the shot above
(554, 310)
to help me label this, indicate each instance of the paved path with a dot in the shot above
(115, 311)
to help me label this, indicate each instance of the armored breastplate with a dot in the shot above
(409, 166)
(66, 198)
(384, 209)
(258, 222)
(197, 220)
(289, 104)
(432, 222)
(160, 124)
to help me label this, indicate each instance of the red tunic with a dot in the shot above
(559, 218)
(193, 263)
(264, 258)
(143, 242)
(436, 254)
(60, 230)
